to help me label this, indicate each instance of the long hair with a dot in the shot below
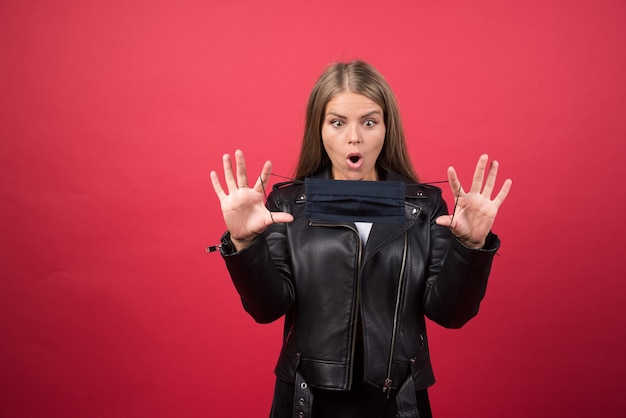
(361, 78)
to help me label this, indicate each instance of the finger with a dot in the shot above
(261, 182)
(454, 182)
(504, 192)
(491, 179)
(280, 217)
(217, 186)
(229, 177)
(479, 174)
(242, 177)
(444, 220)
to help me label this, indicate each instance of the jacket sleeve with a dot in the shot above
(457, 276)
(261, 274)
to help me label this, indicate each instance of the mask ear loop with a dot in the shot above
(456, 202)
(265, 194)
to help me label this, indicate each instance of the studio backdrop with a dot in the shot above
(113, 113)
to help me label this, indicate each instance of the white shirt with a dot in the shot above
(364, 229)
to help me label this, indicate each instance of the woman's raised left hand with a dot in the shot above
(475, 211)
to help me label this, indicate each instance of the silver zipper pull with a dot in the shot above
(387, 387)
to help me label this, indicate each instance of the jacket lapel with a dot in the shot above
(383, 233)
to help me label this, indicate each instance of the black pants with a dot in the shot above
(363, 401)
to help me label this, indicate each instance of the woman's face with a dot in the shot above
(353, 134)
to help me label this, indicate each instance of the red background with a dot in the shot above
(114, 112)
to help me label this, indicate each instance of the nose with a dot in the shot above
(354, 135)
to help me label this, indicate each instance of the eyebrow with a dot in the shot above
(373, 112)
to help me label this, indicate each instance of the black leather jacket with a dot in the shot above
(327, 286)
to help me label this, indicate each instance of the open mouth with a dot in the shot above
(354, 161)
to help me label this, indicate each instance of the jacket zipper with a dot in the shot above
(357, 303)
(396, 314)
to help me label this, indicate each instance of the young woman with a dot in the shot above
(353, 283)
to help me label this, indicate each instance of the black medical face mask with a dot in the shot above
(355, 201)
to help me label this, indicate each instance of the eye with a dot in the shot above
(336, 123)
(369, 123)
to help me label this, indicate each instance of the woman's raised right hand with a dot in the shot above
(243, 207)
